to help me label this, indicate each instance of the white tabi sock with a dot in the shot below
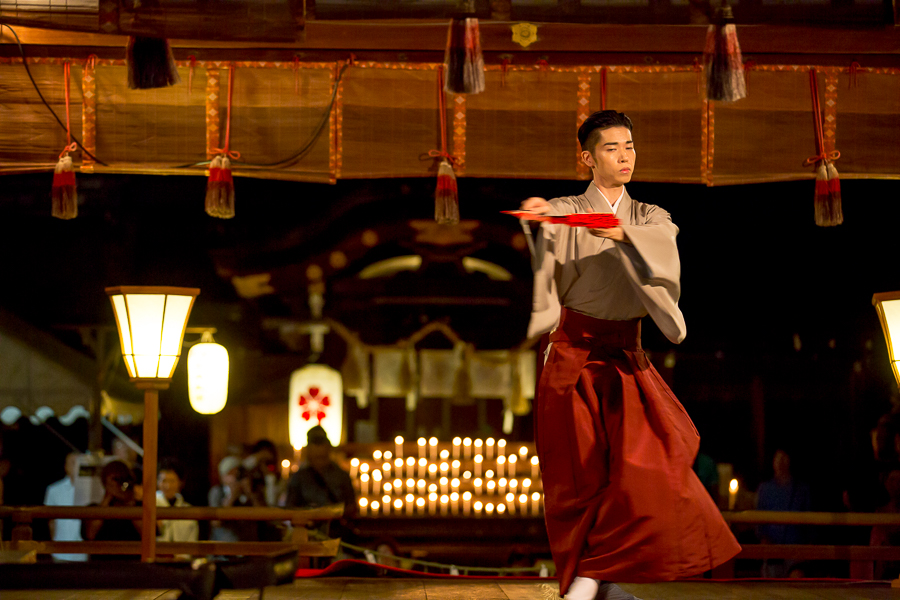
(583, 588)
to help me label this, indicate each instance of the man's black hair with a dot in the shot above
(172, 464)
(589, 132)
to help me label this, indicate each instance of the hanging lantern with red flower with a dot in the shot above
(316, 398)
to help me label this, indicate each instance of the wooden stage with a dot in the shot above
(344, 588)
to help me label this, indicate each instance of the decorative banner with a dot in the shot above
(212, 111)
(582, 111)
(316, 398)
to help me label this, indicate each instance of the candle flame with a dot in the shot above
(733, 486)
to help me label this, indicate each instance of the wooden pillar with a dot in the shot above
(148, 515)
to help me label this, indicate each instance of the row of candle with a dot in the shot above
(455, 504)
(506, 467)
(445, 485)
(462, 448)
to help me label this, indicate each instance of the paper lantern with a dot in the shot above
(316, 398)
(207, 375)
(151, 323)
(887, 304)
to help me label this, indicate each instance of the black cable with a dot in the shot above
(41, 96)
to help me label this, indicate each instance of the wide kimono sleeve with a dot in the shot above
(545, 306)
(654, 269)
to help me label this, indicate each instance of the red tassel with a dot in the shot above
(446, 197)
(64, 193)
(150, 63)
(220, 189)
(463, 59)
(722, 60)
(828, 195)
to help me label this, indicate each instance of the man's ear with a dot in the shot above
(587, 159)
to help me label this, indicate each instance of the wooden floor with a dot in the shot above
(441, 589)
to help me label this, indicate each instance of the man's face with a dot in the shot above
(613, 158)
(169, 484)
(318, 455)
(120, 487)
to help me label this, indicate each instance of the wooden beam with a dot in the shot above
(193, 513)
(323, 548)
(430, 36)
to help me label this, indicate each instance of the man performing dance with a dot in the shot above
(616, 447)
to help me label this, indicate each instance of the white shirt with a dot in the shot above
(62, 493)
(614, 205)
(176, 531)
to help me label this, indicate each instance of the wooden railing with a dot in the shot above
(23, 516)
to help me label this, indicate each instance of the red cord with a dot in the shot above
(227, 149)
(817, 125)
(70, 146)
(603, 88)
(442, 106)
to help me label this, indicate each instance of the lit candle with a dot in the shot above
(363, 506)
(491, 486)
(454, 503)
(501, 485)
(398, 464)
(376, 482)
(478, 505)
(467, 474)
(732, 494)
(445, 454)
(478, 483)
(387, 487)
(444, 483)
(523, 452)
(386, 467)
(432, 502)
(375, 506)
(467, 503)
(457, 442)
(444, 504)
(488, 474)
(454, 468)
(445, 468)
(454, 485)
(364, 484)
(523, 503)
(432, 448)
(420, 486)
(501, 464)
(489, 448)
(511, 461)
(478, 461)
(423, 467)
(386, 503)
(377, 455)
(410, 503)
(364, 468)
(354, 467)
(535, 504)
(398, 505)
(410, 466)
(421, 444)
(398, 446)
(432, 487)
(398, 485)
(478, 445)
(420, 505)
(410, 485)
(501, 447)
(467, 448)
(501, 508)
(511, 503)
(489, 508)
(388, 455)
(513, 484)
(285, 468)
(526, 483)
(432, 470)
(534, 467)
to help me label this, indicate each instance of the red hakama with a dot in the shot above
(622, 502)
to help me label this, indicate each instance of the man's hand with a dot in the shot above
(616, 234)
(538, 206)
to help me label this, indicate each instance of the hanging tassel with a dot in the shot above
(220, 185)
(722, 59)
(63, 192)
(446, 197)
(827, 204)
(463, 59)
(150, 63)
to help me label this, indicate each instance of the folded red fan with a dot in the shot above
(592, 220)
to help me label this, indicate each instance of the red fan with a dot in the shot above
(592, 220)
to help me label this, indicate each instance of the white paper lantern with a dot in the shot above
(207, 375)
(316, 398)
